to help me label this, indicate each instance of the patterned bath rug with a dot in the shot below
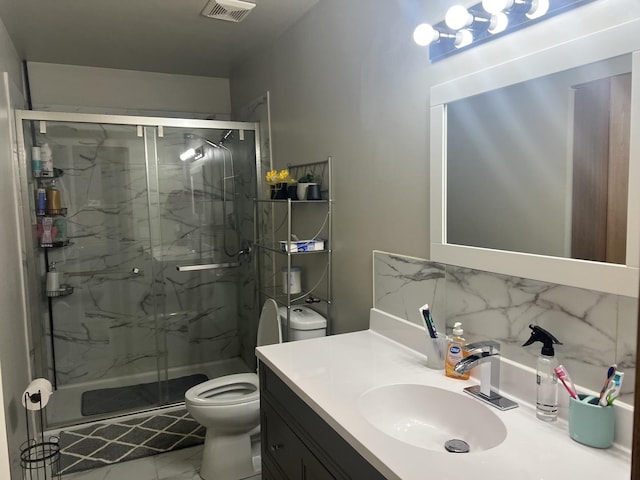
(107, 443)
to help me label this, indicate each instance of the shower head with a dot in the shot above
(209, 142)
(226, 135)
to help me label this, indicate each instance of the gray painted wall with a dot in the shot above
(126, 92)
(13, 346)
(347, 80)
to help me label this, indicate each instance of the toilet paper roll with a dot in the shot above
(37, 394)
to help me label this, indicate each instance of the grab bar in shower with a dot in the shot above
(209, 266)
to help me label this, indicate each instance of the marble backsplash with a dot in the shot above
(596, 329)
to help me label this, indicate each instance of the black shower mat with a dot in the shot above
(110, 400)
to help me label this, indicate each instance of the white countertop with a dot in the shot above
(331, 373)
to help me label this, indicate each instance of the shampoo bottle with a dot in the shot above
(546, 379)
(54, 203)
(46, 160)
(455, 352)
(36, 161)
(53, 279)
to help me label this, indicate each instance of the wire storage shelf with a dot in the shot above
(293, 232)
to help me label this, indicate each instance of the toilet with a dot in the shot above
(229, 407)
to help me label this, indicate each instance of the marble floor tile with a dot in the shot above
(141, 469)
(176, 465)
(179, 464)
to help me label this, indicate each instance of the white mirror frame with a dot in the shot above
(603, 277)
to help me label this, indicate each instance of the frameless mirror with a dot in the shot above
(535, 168)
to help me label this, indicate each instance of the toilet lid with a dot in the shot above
(269, 330)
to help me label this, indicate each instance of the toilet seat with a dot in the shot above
(228, 390)
(229, 408)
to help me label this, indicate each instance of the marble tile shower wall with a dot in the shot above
(246, 192)
(107, 328)
(256, 111)
(596, 329)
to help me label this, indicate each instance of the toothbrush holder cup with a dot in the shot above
(437, 351)
(589, 423)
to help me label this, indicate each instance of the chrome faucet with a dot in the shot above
(488, 357)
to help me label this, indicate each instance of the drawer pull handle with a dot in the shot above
(275, 447)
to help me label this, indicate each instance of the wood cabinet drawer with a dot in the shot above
(286, 451)
(280, 443)
(324, 453)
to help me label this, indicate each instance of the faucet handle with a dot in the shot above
(490, 347)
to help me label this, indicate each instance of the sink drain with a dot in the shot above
(455, 445)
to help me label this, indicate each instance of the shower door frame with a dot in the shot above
(39, 364)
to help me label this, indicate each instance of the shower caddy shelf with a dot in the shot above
(63, 292)
(270, 217)
(62, 212)
(64, 243)
(42, 180)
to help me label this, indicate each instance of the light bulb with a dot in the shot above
(538, 9)
(496, 6)
(463, 38)
(188, 154)
(498, 23)
(424, 34)
(458, 17)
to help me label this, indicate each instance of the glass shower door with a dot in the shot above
(104, 344)
(196, 241)
(155, 262)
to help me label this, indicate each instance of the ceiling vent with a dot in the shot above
(229, 10)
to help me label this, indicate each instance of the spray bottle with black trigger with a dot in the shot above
(546, 379)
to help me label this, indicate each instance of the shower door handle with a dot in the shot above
(209, 266)
(107, 271)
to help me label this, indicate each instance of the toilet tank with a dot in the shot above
(305, 323)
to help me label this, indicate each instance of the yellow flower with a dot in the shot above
(272, 176)
(283, 175)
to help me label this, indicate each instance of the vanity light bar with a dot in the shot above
(464, 28)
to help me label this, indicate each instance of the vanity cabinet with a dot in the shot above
(298, 444)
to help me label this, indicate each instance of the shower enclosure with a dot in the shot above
(152, 245)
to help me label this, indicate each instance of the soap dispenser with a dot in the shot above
(546, 379)
(455, 353)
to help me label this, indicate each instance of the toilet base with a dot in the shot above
(227, 458)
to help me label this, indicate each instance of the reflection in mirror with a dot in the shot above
(542, 166)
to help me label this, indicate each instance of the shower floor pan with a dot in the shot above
(65, 406)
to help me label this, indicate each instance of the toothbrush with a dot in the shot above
(610, 373)
(613, 389)
(431, 327)
(563, 375)
(428, 321)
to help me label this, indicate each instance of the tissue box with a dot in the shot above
(302, 246)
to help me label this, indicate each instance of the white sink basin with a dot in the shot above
(427, 417)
